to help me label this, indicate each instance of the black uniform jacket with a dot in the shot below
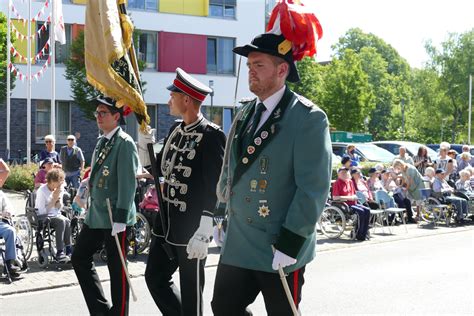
(190, 163)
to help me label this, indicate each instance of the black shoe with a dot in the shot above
(12, 268)
(412, 221)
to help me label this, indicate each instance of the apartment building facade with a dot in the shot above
(196, 35)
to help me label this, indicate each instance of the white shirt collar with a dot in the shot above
(109, 135)
(272, 101)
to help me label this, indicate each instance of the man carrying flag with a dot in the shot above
(112, 69)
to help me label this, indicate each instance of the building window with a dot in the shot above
(62, 51)
(222, 8)
(41, 42)
(220, 58)
(43, 120)
(147, 48)
(149, 5)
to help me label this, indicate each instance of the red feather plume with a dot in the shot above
(298, 25)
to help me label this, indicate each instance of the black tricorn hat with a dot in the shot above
(112, 105)
(275, 45)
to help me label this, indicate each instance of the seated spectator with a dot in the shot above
(463, 185)
(441, 186)
(361, 185)
(49, 151)
(45, 166)
(49, 202)
(399, 194)
(464, 161)
(429, 176)
(422, 160)
(403, 156)
(350, 152)
(412, 181)
(374, 182)
(7, 232)
(379, 167)
(346, 162)
(343, 190)
(465, 149)
(452, 168)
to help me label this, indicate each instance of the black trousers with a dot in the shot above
(236, 288)
(158, 275)
(404, 202)
(89, 241)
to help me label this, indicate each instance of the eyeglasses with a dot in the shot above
(48, 141)
(70, 140)
(102, 114)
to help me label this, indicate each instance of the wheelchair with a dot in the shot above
(44, 233)
(19, 249)
(434, 209)
(336, 219)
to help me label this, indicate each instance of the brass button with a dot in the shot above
(231, 193)
(249, 220)
(247, 199)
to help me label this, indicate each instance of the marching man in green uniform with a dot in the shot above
(275, 181)
(114, 166)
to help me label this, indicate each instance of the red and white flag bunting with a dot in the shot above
(37, 57)
(35, 18)
(15, 71)
(22, 37)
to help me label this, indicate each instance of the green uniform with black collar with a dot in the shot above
(113, 177)
(277, 186)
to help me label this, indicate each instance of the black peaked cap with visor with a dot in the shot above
(111, 104)
(185, 83)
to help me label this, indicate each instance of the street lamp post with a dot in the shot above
(211, 85)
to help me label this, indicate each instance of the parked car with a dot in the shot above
(366, 151)
(412, 147)
(456, 147)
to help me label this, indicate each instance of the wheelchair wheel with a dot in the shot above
(24, 231)
(142, 233)
(332, 222)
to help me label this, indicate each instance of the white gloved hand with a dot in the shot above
(198, 244)
(280, 260)
(118, 228)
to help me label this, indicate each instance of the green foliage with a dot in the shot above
(369, 87)
(82, 91)
(3, 59)
(21, 177)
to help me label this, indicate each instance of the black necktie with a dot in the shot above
(252, 127)
(102, 143)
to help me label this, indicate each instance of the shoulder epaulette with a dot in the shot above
(247, 100)
(305, 101)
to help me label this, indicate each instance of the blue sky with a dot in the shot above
(404, 24)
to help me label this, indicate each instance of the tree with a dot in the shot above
(454, 62)
(3, 59)
(82, 91)
(348, 99)
(311, 84)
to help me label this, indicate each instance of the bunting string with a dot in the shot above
(35, 18)
(17, 72)
(37, 57)
(20, 36)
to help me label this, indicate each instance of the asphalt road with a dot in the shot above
(430, 275)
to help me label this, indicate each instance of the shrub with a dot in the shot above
(21, 177)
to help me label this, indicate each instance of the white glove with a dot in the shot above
(198, 244)
(118, 228)
(282, 260)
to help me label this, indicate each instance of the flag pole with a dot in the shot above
(52, 57)
(28, 90)
(8, 76)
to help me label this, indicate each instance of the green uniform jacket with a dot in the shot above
(113, 177)
(277, 188)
